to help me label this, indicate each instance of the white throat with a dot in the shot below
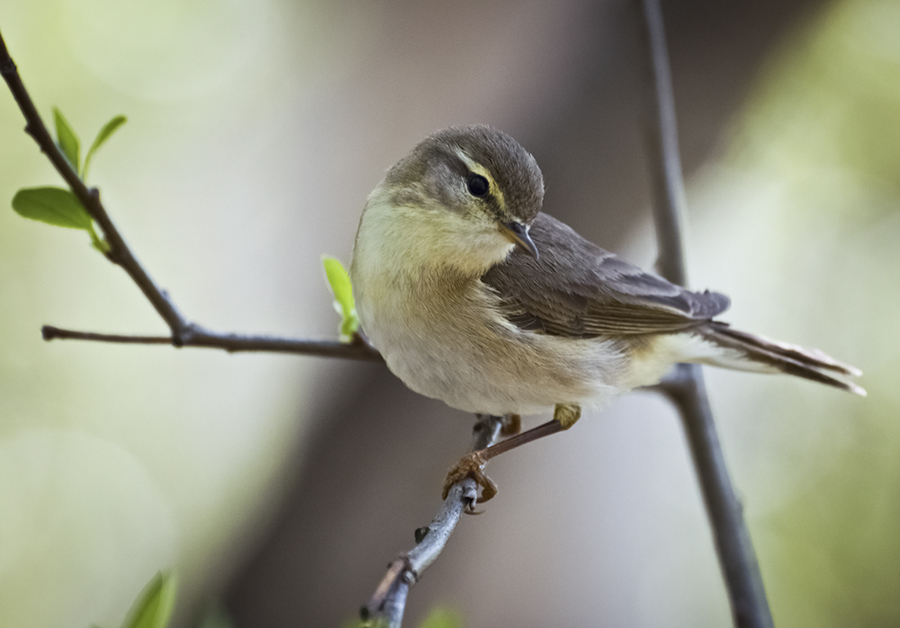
(411, 241)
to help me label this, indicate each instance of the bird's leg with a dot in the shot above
(511, 425)
(472, 465)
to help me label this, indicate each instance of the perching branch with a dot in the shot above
(184, 333)
(389, 600)
(737, 559)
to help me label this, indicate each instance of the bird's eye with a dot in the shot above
(477, 184)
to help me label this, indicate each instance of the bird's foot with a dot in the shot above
(471, 465)
(566, 414)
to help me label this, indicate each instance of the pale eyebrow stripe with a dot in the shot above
(477, 168)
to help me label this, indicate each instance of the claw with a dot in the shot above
(470, 466)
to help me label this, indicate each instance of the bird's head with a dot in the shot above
(466, 195)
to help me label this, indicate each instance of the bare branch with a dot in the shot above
(389, 600)
(686, 389)
(359, 349)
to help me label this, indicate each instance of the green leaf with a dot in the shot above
(442, 618)
(342, 289)
(153, 607)
(67, 140)
(108, 129)
(54, 206)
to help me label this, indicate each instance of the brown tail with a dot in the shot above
(787, 358)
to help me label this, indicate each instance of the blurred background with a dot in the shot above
(280, 487)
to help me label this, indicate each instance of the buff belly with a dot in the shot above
(491, 368)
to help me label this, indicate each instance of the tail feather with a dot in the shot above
(810, 364)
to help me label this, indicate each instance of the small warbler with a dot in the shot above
(477, 298)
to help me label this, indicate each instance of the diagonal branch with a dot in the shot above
(184, 333)
(389, 600)
(737, 558)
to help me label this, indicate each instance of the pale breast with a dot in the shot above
(446, 339)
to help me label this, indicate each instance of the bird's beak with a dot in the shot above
(516, 233)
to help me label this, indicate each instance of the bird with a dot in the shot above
(475, 296)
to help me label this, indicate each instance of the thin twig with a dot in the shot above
(184, 333)
(359, 349)
(387, 604)
(737, 558)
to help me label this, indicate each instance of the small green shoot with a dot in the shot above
(153, 607)
(59, 207)
(54, 206)
(108, 129)
(342, 289)
(67, 140)
(442, 617)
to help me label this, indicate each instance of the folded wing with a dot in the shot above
(578, 289)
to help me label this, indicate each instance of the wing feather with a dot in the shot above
(578, 289)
